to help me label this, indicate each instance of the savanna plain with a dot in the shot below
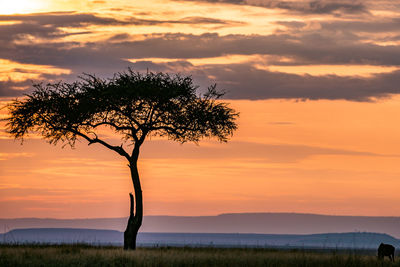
(85, 255)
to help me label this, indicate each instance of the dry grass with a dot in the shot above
(81, 255)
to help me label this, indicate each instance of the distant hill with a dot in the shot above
(112, 237)
(261, 223)
(62, 236)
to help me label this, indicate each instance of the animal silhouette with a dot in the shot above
(386, 250)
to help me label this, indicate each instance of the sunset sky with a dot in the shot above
(316, 82)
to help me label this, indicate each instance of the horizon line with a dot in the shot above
(196, 216)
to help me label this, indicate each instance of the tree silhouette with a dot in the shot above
(133, 105)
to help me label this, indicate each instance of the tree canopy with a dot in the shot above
(132, 104)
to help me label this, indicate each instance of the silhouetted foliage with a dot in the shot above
(133, 105)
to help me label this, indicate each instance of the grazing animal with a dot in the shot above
(386, 250)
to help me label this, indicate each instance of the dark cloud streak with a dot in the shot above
(13, 88)
(267, 85)
(77, 20)
(244, 81)
(370, 25)
(307, 49)
(304, 7)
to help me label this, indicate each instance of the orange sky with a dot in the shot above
(287, 156)
(317, 132)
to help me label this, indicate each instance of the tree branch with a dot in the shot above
(119, 149)
(171, 128)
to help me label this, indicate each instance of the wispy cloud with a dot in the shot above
(282, 153)
(304, 7)
(49, 24)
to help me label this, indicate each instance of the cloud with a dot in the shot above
(243, 81)
(205, 20)
(304, 7)
(18, 41)
(332, 44)
(246, 81)
(11, 88)
(20, 31)
(77, 20)
(368, 25)
(63, 19)
(310, 48)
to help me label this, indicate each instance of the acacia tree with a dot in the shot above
(134, 106)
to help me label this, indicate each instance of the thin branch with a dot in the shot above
(119, 149)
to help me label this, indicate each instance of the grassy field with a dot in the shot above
(81, 255)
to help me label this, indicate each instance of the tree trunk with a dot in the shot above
(136, 210)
